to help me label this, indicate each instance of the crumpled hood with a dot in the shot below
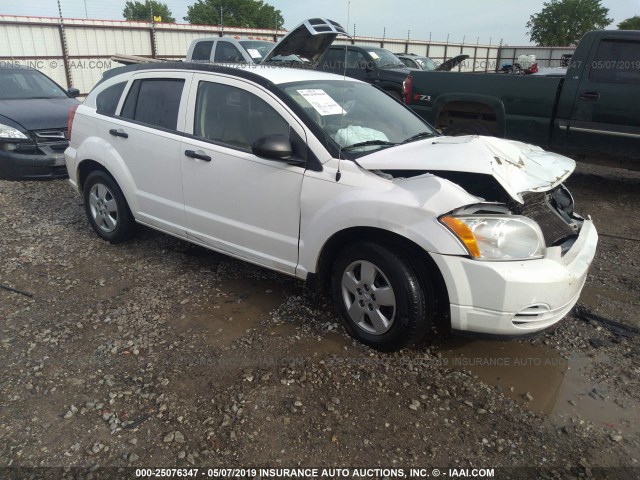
(517, 166)
(38, 113)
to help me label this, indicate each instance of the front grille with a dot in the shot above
(55, 139)
(553, 226)
(51, 135)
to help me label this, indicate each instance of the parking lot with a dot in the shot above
(160, 353)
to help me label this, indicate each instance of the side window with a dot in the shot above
(227, 53)
(617, 61)
(334, 59)
(202, 51)
(356, 59)
(233, 116)
(107, 100)
(154, 101)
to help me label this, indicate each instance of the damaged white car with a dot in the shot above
(331, 180)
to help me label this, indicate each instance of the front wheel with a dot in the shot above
(106, 207)
(382, 300)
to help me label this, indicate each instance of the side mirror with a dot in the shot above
(273, 147)
(74, 92)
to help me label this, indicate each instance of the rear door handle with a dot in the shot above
(200, 155)
(118, 133)
(590, 96)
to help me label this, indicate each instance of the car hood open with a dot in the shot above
(452, 63)
(517, 166)
(309, 40)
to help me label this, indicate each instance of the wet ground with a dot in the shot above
(158, 353)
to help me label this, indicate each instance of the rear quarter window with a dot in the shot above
(154, 101)
(107, 100)
(202, 51)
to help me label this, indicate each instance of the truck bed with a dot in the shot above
(528, 102)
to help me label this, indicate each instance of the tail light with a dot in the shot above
(72, 114)
(407, 88)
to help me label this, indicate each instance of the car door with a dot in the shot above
(146, 133)
(236, 201)
(358, 64)
(606, 111)
(227, 52)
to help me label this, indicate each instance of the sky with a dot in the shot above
(488, 21)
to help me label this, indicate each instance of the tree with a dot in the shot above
(632, 23)
(563, 22)
(236, 13)
(141, 11)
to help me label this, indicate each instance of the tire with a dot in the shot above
(398, 318)
(467, 128)
(106, 208)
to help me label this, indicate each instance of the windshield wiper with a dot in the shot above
(418, 136)
(370, 142)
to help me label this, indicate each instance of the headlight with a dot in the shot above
(497, 237)
(10, 133)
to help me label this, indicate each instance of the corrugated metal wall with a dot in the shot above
(89, 44)
(545, 56)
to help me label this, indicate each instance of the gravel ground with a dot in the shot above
(156, 353)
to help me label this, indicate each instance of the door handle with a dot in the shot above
(590, 96)
(118, 133)
(199, 156)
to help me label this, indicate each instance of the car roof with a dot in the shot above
(231, 39)
(260, 74)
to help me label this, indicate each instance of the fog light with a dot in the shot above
(9, 147)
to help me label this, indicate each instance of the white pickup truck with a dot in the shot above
(228, 50)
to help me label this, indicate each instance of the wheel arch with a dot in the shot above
(88, 165)
(85, 167)
(484, 108)
(404, 246)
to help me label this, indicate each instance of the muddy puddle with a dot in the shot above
(240, 306)
(232, 310)
(610, 303)
(535, 376)
(541, 380)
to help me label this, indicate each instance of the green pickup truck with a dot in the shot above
(594, 110)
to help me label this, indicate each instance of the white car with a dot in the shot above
(331, 180)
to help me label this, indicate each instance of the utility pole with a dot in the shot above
(221, 22)
(65, 50)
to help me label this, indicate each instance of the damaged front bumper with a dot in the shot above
(44, 163)
(517, 297)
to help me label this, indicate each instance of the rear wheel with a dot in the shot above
(106, 207)
(382, 300)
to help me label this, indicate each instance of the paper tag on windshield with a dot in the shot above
(254, 53)
(321, 101)
(374, 55)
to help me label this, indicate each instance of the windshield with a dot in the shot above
(257, 49)
(384, 58)
(426, 63)
(357, 117)
(18, 83)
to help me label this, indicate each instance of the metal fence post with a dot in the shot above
(65, 50)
